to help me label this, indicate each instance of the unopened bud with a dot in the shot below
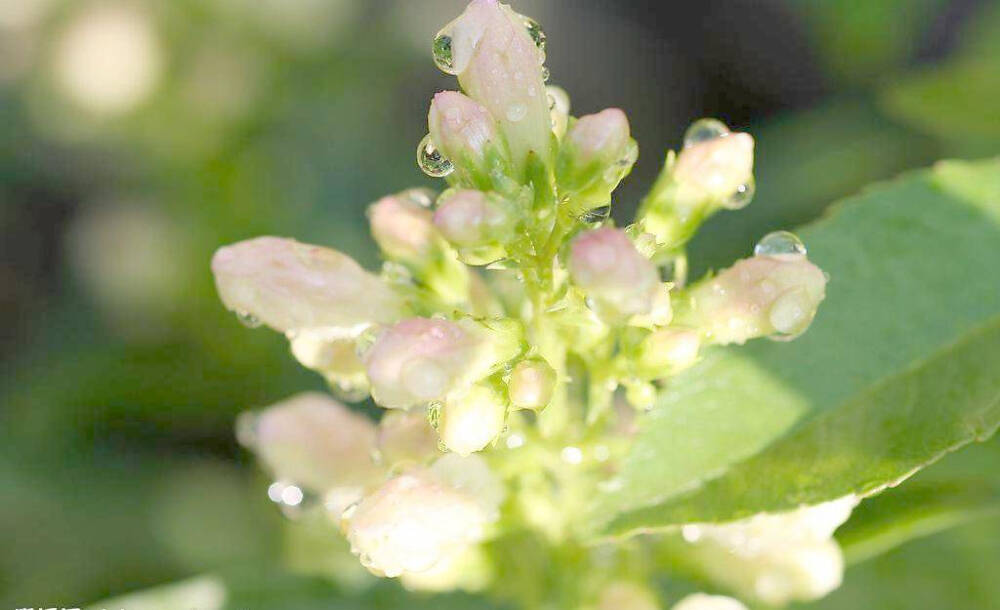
(760, 296)
(421, 360)
(717, 168)
(596, 155)
(336, 359)
(471, 419)
(467, 134)
(316, 442)
(701, 601)
(412, 523)
(292, 286)
(668, 351)
(402, 228)
(776, 558)
(477, 224)
(625, 595)
(406, 437)
(500, 66)
(612, 273)
(531, 385)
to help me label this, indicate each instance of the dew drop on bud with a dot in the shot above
(431, 161)
(704, 130)
(536, 32)
(516, 112)
(741, 197)
(780, 244)
(558, 109)
(443, 55)
(248, 319)
(596, 215)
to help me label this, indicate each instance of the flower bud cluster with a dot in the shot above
(515, 333)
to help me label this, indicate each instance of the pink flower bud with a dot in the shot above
(757, 297)
(596, 154)
(531, 384)
(402, 228)
(292, 286)
(717, 167)
(612, 272)
(406, 437)
(420, 360)
(413, 523)
(314, 441)
(467, 134)
(471, 219)
(500, 66)
(471, 419)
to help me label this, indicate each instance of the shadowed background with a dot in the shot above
(139, 136)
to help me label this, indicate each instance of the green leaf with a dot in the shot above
(914, 511)
(898, 369)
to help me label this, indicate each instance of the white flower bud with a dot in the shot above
(406, 437)
(472, 419)
(612, 272)
(701, 601)
(668, 351)
(624, 595)
(467, 134)
(476, 223)
(531, 384)
(413, 523)
(316, 442)
(756, 297)
(716, 168)
(499, 66)
(292, 286)
(402, 228)
(421, 360)
(335, 359)
(776, 558)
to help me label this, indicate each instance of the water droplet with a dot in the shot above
(247, 424)
(444, 57)
(248, 319)
(516, 112)
(742, 197)
(431, 161)
(293, 499)
(780, 244)
(596, 215)
(791, 315)
(558, 109)
(536, 32)
(704, 130)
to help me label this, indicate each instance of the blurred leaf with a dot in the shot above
(955, 101)
(862, 39)
(898, 369)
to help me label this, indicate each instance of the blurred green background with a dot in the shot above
(138, 136)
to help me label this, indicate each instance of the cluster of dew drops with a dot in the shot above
(430, 160)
